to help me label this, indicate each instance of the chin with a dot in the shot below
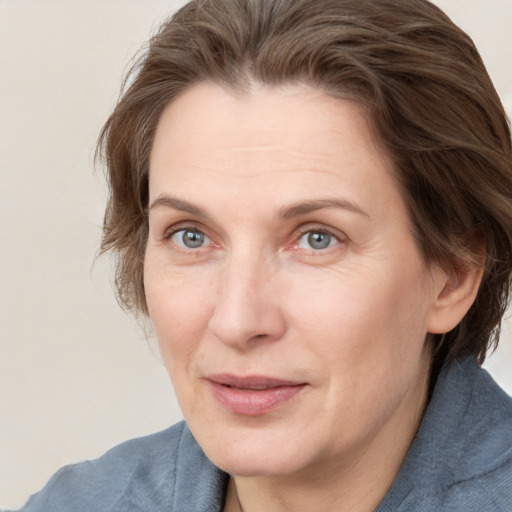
(276, 465)
(255, 455)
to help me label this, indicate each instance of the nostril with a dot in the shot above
(259, 338)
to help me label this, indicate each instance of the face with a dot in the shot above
(289, 298)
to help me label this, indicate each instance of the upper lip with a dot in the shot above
(251, 381)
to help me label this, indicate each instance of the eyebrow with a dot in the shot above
(319, 204)
(288, 212)
(178, 204)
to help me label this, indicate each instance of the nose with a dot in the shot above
(248, 305)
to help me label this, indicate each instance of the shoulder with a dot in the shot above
(461, 458)
(137, 475)
(480, 472)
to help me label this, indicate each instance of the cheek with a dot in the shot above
(362, 322)
(180, 311)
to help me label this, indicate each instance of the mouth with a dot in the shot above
(253, 395)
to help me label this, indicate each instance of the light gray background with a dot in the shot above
(76, 374)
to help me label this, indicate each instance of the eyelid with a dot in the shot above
(169, 232)
(207, 241)
(298, 233)
(318, 228)
(181, 226)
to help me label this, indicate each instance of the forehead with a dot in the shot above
(262, 109)
(294, 138)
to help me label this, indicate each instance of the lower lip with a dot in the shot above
(253, 402)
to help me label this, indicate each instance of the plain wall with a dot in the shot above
(76, 374)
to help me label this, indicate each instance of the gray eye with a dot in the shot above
(316, 240)
(189, 238)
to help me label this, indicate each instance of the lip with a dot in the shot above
(252, 395)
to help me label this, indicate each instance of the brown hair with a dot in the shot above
(430, 101)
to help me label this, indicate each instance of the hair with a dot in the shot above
(430, 104)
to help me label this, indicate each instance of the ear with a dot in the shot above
(455, 291)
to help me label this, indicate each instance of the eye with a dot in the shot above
(317, 240)
(190, 239)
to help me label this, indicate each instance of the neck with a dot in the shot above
(355, 482)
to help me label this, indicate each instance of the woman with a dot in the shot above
(312, 202)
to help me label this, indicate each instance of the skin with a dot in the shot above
(350, 320)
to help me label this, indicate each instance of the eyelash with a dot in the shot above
(319, 229)
(170, 233)
(309, 229)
